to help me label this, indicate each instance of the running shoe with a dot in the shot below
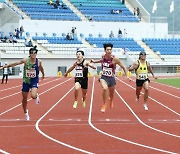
(83, 103)
(75, 104)
(37, 99)
(103, 109)
(145, 107)
(27, 118)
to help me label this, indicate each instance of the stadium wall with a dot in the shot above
(134, 30)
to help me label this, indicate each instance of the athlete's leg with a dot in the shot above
(77, 87)
(111, 96)
(34, 92)
(138, 90)
(3, 79)
(84, 92)
(24, 101)
(146, 91)
(6, 78)
(146, 94)
(105, 91)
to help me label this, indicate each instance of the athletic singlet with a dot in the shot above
(81, 71)
(142, 71)
(31, 71)
(108, 68)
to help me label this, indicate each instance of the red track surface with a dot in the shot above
(55, 127)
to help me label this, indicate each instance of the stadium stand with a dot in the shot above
(105, 10)
(42, 11)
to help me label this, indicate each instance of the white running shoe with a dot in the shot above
(27, 118)
(37, 99)
(145, 107)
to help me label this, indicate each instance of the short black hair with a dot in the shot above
(33, 49)
(81, 51)
(108, 45)
(142, 53)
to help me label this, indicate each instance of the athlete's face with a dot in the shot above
(79, 55)
(143, 56)
(108, 50)
(33, 54)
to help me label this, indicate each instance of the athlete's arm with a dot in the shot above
(95, 61)
(41, 69)
(87, 63)
(134, 66)
(70, 69)
(150, 70)
(14, 64)
(117, 61)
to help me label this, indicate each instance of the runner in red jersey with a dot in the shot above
(107, 78)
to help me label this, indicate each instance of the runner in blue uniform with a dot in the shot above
(32, 65)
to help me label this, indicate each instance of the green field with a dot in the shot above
(175, 82)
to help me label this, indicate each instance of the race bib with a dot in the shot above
(107, 72)
(31, 73)
(79, 72)
(142, 76)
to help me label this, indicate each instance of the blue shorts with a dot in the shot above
(27, 86)
(111, 82)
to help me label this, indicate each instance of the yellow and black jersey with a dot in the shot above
(142, 71)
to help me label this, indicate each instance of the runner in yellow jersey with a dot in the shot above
(142, 67)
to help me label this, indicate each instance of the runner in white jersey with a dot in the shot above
(107, 79)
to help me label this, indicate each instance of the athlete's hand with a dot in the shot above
(65, 75)
(42, 78)
(155, 78)
(129, 79)
(92, 61)
(1, 67)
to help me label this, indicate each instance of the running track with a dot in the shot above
(55, 127)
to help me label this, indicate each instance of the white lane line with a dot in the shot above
(115, 137)
(164, 92)
(17, 86)
(62, 143)
(166, 85)
(152, 99)
(39, 95)
(142, 121)
(20, 91)
(4, 152)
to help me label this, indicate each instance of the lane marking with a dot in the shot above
(47, 136)
(152, 99)
(115, 137)
(4, 152)
(39, 95)
(166, 85)
(17, 86)
(142, 121)
(20, 91)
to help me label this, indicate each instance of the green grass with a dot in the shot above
(175, 82)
